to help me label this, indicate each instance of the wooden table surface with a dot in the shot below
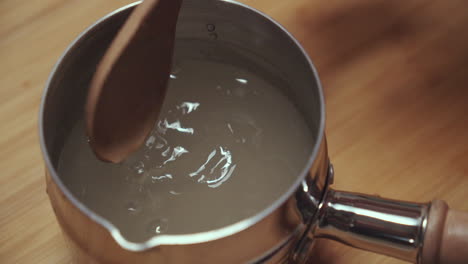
(395, 75)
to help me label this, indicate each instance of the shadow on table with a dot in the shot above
(429, 38)
(337, 35)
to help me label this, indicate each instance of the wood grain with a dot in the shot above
(395, 75)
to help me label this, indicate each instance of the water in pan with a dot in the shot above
(228, 143)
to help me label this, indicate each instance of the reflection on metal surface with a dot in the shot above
(384, 226)
(274, 230)
(309, 199)
(385, 217)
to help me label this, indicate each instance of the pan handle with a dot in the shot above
(446, 237)
(420, 233)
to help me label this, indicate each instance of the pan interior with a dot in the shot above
(237, 128)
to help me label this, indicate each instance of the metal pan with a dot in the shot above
(283, 232)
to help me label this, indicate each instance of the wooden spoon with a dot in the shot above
(129, 85)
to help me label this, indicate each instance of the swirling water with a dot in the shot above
(227, 144)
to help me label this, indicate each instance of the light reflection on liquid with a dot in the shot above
(162, 177)
(188, 107)
(223, 133)
(216, 170)
(163, 126)
(176, 152)
(242, 81)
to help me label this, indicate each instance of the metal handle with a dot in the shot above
(384, 226)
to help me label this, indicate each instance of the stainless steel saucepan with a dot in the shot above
(285, 231)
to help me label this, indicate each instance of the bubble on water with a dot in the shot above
(133, 207)
(158, 226)
(160, 142)
(210, 27)
(161, 128)
(138, 167)
(188, 107)
(150, 142)
(175, 193)
(213, 36)
(175, 69)
(230, 128)
(174, 72)
(242, 81)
